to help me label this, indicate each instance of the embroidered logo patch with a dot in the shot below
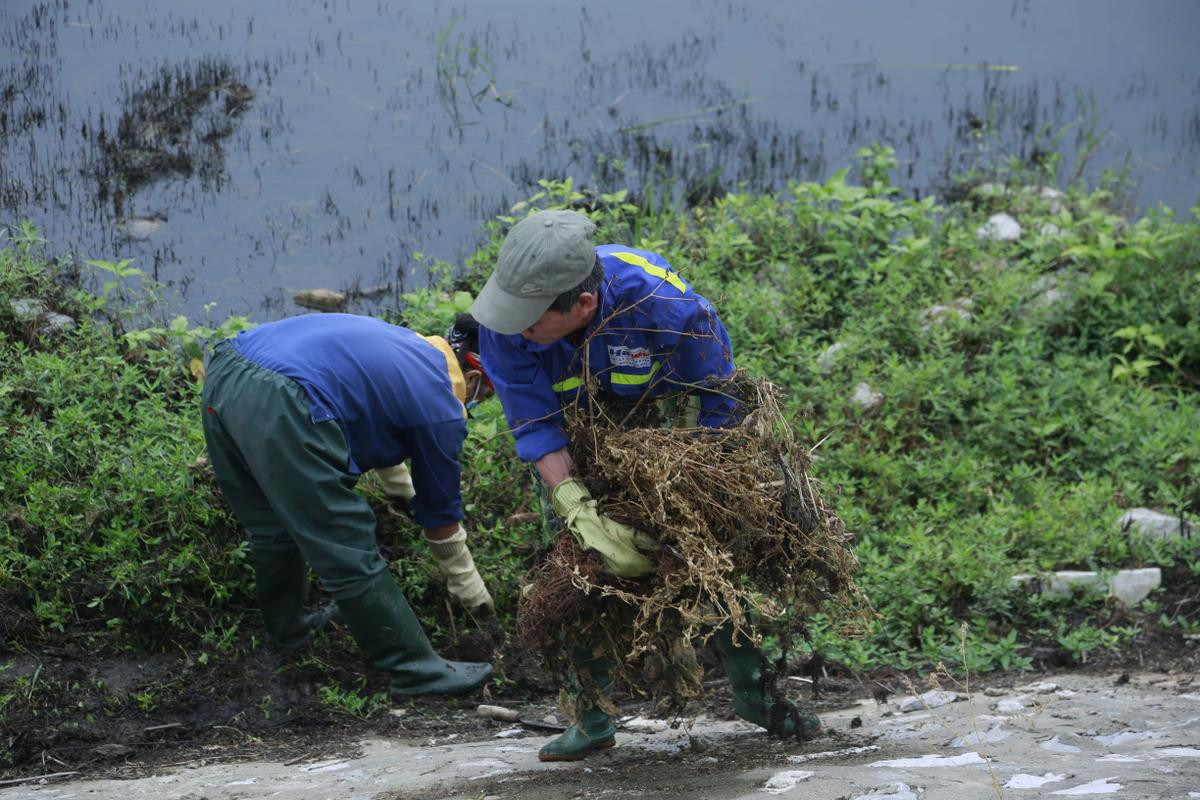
(622, 356)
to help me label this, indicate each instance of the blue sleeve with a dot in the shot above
(436, 472)
(703, 356)
(526, 394)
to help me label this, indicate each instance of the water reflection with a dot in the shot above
(242, 152)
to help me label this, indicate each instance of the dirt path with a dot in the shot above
(1077, 735)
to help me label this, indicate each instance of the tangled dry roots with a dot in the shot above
(742, 528)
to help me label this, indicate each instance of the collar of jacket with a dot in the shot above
(457, 382)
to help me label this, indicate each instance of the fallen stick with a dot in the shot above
(53, 776)
(502, 714)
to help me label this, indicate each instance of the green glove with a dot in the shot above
(618, 545)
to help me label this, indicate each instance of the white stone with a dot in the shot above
(1132, 586)
(999, 228)
(1155, 524)
(1040, 687)
(991, 189)
(1050, 230)
(828, 359)
(1065, 582)
(866, 398)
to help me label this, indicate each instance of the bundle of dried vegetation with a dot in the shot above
(745, 539)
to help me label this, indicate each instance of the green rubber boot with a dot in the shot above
(750, 700)
(281, 583)
(595, 729)
(383, 624)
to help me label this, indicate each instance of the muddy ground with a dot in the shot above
(122, 719)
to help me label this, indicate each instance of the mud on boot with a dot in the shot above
(594, 729)
(751, 702)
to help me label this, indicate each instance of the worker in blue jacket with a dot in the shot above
(294, 412)
(559, 310)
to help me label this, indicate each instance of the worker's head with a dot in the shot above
(463, 338)
(547, 278)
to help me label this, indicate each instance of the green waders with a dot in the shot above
(594, 729)
(287, 480)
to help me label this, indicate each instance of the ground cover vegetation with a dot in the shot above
(1030, 392)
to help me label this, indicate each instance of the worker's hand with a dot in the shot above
(620, 546)
(397, 482)
(463, 580)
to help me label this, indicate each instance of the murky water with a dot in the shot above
(241, 151)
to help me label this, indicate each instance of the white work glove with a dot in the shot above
(462, 578)
(397, 482)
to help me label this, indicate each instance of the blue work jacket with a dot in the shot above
(651, 335)
(395, 394)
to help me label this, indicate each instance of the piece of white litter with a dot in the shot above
(1056, 746)
(785, 781)
(246, 782)
(1121, 737)
(643, 725)
(1023, 781)
(1190, 696)
(508, 733)
(895, 791)
(931, 699)
(1178, 752)
(1118, 758)
(1064, 693)
(845, 751)
(932, 760)
(1101, 786)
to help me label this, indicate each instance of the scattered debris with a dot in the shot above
(932, 760)
(785, 781)
(931, 699)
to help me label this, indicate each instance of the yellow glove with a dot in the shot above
(397, 482)
(463, 580)
(619, 545)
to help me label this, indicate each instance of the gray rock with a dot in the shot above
(828, 358)
(939, 313)
(27, 309)
(141, 227)
(866, 398)
(1154, 524)
(321, 299)
(999, 228)
(931, 699)
(1009, 705)
(893, 791)
(59, 322)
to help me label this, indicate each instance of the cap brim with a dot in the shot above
(506, 313)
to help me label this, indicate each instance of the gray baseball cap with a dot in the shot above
(543, 256)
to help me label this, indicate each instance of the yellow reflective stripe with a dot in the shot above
(653, 269)
(627, 379)
(567, 385)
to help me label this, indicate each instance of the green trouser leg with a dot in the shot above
(281, 581)
(594, 729)
(390, 635)
(750, 701)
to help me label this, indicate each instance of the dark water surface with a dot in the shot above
(242, 150)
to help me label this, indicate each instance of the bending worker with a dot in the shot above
(556, 305)
(294, 411)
